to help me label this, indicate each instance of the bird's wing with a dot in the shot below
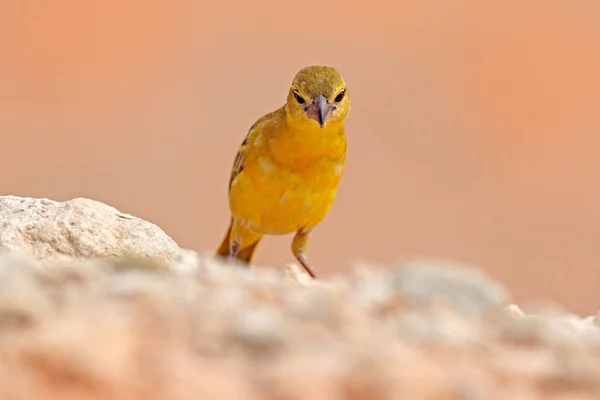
(238, 164)
(258, 126)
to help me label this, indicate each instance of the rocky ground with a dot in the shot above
(96, 304)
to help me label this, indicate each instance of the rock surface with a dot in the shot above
(79, 228)
(466, 287)
(200, 329)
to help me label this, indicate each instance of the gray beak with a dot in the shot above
(322, 109)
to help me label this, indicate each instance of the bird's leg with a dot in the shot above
(299, 245)
(235, 243)
(301, 257)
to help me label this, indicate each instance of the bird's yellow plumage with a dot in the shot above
(287, 171)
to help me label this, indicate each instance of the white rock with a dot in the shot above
(79, 228)
(259, 327)
(466, 287)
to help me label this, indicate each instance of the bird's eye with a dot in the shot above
(299, 98)
(340, 96)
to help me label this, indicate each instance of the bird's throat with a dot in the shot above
(300, 145)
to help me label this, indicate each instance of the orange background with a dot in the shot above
(474, 131)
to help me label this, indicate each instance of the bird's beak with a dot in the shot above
(320, 110)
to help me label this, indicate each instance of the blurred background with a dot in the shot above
(474, 131)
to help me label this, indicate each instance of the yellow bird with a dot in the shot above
(287, 171)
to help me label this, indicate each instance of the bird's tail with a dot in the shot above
(244, 255)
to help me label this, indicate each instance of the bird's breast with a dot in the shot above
(278, 199)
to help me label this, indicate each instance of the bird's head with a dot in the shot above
(318, 96)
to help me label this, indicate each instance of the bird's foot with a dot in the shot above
(301, 257)
(234, 249)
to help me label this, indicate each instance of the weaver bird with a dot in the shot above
(287, 170)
